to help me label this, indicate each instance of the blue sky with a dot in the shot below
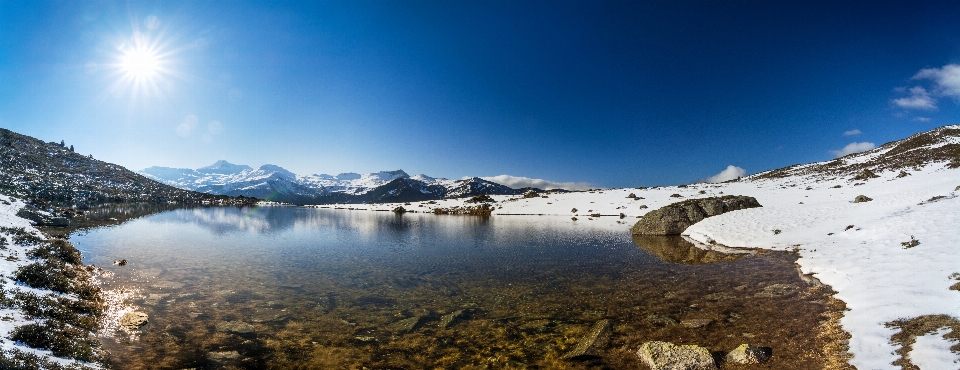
(608, 93)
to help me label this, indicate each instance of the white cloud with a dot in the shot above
(853, 148)
(523, 182)
(946, 79)
(730, 173)
(852, 132)
(922, 119)
(919, 99)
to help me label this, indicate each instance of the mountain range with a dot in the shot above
(275, 183)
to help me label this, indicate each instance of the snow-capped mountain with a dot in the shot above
(276, 183)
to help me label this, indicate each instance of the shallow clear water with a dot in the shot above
(294, 287)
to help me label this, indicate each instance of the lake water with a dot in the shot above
(296, 287)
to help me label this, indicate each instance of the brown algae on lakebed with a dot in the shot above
(524, 311)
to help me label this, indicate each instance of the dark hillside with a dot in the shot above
(51, 173)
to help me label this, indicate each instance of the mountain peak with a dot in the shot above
(224, 168)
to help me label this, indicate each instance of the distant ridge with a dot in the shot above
(273, 182)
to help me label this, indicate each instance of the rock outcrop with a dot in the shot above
(673, 219)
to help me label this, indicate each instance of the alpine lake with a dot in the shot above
(285, 287)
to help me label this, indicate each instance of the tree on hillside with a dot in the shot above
(62, 144)
(71, 148)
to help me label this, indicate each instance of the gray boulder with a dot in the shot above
(673, 219)
(862, 199)
(668, 356)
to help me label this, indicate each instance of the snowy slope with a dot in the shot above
(14, 255)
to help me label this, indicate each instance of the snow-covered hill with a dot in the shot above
(276, 183)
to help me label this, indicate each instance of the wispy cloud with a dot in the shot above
(730, 173)
(922, 119)
(919, 99)
(853, 132)
(945, 83)
(523, 182)
(853, 148)
(946, 79)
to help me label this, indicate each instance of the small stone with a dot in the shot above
(120, 262)
(862, 199)
(134, 319)
(668, 356)
(747, 354)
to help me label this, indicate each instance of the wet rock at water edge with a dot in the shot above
(236, 327)
(668, 356)
(399, 210)
(591, 343)
(449, 319)
(406, 325)
(673, 219)
(134, 319)
(746, 354)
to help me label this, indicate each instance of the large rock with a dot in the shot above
(668, 356)
(673, 219)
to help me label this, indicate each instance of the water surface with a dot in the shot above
(295, 287)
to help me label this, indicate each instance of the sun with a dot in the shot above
(142, 66)
(140, 63)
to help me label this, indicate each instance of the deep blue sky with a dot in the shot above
(611, 93)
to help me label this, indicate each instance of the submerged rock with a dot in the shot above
(449, 319)
(668, 356)
(747, 354)
(695, 323)
(661, 320)
(673, 219)
(236, 327)
(593, 342)
(405, 326)
(134, 319)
